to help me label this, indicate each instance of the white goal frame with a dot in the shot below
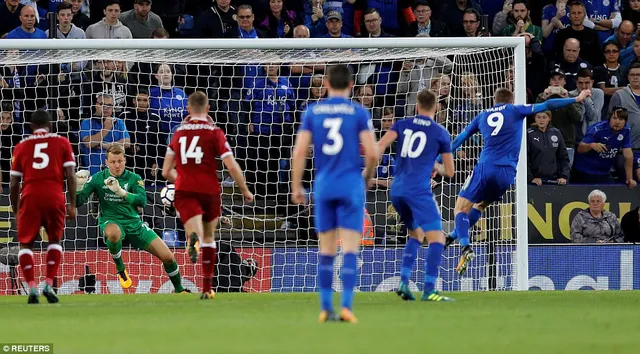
(517, 43)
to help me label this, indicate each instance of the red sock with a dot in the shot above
(208, 265)
(25, 257)
(54, 253)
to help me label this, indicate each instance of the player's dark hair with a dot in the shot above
(115, 149)
(426, 100)
(198, 102)
(40, 119)
(65, 5)
(111, 2)
(339, 76)
(503, 95)
(585, 72)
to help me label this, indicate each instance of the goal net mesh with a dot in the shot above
(257, 97)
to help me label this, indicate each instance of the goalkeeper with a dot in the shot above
(120, 193)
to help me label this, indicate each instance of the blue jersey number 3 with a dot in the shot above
(334, 136)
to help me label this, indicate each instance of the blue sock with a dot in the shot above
(325, 278)
(434, 256)
(462, 228)
(474, 216)
(408, 259)
(348, 273)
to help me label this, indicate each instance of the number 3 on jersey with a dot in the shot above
(193, 151)
(334, 136)
(495, 121)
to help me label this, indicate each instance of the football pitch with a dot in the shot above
(515, 322)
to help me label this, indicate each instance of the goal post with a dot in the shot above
(273, 240)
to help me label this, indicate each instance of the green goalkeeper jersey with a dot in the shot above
(113, 207)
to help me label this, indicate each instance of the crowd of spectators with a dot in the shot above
(570, 46)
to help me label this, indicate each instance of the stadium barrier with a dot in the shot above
(550, 211)
(551, 267)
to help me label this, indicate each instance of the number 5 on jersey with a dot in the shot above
(38, 153)
(193, 151)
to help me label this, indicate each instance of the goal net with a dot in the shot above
(258, 90)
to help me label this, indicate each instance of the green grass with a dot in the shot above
(496, 323)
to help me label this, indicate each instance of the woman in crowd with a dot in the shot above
(594, 224)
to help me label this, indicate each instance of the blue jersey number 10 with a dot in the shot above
(410, 138)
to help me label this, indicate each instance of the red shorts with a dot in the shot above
(40, 211)
(190, 204)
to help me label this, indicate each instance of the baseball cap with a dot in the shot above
(334, 14)
(557, 71)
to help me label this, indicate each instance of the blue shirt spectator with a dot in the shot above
(550, 12)
(27, 28)
(273, 103)
(600, 146)
(9, 16)
(99, 132)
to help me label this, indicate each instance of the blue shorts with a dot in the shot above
(419, 211)
(344, 213)
(487, 183)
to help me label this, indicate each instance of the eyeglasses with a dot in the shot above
(469, 22)
(245, 17)
(611, 51)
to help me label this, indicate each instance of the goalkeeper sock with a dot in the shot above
(174, 275)
(434, 256)
(325, 278)
(462, 228)
(208, 264)
(474, 217)
(25, 257)
(348, 273)
(54, 254)
(408, 259)
(116, 253)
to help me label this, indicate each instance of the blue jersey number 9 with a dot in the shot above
(495, 121)
(333, 135)
(410, 138)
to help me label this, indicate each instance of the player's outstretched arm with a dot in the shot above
(236, 173)
(387, 139)
(169, 166)
(368, 142)
(555, 103)
(298, 163)
(471, 129)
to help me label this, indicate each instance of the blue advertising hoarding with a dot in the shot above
(557, 267)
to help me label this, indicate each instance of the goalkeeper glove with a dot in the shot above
(114, 186)
(82, 177)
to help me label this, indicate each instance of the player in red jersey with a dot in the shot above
(191, 163)
(42, 161)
